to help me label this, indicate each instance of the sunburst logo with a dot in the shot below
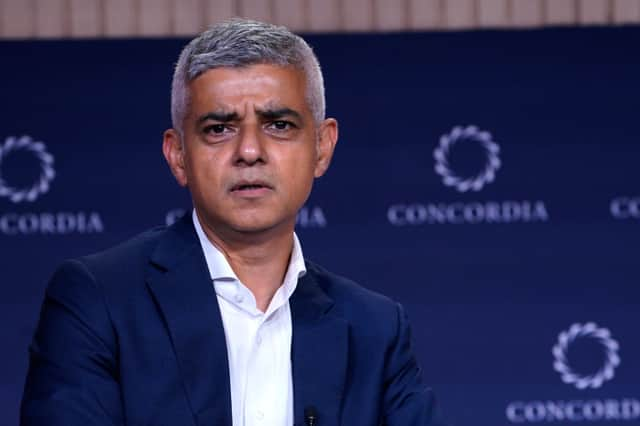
(588, 331)
(25, 145)
(466, 135)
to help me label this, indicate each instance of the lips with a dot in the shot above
(250, 185)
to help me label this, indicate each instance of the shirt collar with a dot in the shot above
(221, 272)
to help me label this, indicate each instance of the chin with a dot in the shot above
(255, 226)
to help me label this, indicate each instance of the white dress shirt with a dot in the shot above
(258, 343)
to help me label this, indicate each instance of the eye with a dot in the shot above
(216, 129)
(281, 125)
(218, 132)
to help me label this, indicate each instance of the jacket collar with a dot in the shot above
(319, 351)
(180, 284)
(179, 281)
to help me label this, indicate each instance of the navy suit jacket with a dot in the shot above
(134, 336)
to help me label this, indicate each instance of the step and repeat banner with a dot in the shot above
(489, 181)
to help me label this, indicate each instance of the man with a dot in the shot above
(218, 320)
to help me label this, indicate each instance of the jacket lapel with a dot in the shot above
(180, 283)
(319, 353)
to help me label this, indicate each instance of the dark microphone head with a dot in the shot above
(310, 416)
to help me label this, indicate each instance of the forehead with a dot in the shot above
(260, 84)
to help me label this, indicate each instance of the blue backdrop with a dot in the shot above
(486, 180)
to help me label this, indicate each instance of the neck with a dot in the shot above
(259, 260)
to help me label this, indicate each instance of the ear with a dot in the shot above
(327, 139)
(173, 150)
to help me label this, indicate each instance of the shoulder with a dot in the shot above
(118, 265)
(342, 287)
(130, 253)
(354, 301)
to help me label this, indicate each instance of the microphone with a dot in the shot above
(310, 416)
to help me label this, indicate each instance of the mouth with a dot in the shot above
(251, 188)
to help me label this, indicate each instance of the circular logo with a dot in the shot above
(47, 173)
(586, 331)
(443, 152)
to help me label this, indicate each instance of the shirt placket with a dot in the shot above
(255, 411)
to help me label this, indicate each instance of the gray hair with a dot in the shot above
(239, 43)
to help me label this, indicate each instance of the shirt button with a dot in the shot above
(238, 298)
(260, 415)
(259, 340)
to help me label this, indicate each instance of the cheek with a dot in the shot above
(300, 174)
(204, 174)
(299, 163)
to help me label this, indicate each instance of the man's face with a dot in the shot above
(250, 148)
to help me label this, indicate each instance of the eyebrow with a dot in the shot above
(274, 114)
(223, 117)
(266, 114)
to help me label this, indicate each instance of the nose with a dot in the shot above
(250, 147)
